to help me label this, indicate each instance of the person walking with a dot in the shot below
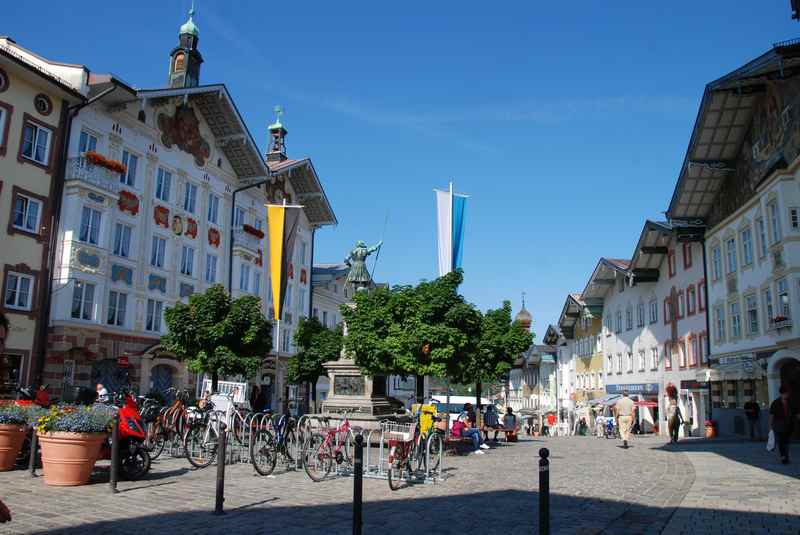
(752, 412)
(623, 410)
(551, 424)
(782, 416)
(674, 420)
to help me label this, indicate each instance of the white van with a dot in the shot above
(456, 404)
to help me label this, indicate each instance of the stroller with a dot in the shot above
(611, 431)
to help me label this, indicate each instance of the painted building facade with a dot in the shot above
(35, 96)
(581, 324)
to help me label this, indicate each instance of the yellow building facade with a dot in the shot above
(34, 103)
(581, 326)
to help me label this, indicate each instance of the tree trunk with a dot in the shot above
(314, 394)
(214, 381)
(419, 388)
(478, 410)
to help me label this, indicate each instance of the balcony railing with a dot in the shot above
(246, 240)
(100, 177)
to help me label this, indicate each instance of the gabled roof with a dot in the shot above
(605, 275)
(551, 336)
(723, 119)
(652, 245)
(223, 118)
(307, 188)
(573, 306)
(37, 69)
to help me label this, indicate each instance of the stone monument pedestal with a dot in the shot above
(363, 398)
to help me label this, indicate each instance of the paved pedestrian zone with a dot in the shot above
(695, 487)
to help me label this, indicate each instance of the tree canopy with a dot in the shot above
(429, 329)
(316, 345)
(217, 335)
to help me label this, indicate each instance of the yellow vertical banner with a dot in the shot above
(275, 221)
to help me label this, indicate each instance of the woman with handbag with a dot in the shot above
(462, 427)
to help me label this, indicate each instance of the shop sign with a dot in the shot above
(636, 388)
(693, 385)
(736, 359)
(122, 361)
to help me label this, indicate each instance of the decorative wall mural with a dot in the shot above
(154, 282)
(161, 216)
(191, 227)
(213, 237)
(276, 191)
(128, 202)
(772, 142)
(121, 274)
(177, 225)
(183, 130)
(96, 198)
(88, 259)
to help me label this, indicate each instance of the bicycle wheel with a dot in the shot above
(263, 453)
(290, 445)
(435, 446)
(199, 446)
(318, 458)
(396, 470)
(349, 447)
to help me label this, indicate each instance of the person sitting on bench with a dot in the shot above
(462, 427)
(510, 425)
(491, 421)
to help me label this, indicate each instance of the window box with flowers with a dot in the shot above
(781, 322)
(253, 231)
(95, 158)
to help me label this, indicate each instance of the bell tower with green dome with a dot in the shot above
(185, 59)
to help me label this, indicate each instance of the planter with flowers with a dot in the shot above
(71, 437)
(253, 231)
(711, 428)
(15, 421)
(781, 322)
(95, 158)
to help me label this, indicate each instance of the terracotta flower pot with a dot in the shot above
(68, 458)
(11, 438)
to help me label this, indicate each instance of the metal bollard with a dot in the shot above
(112, 481)
(358, 472)
(34, 447)
(221, 453)
(544, 492)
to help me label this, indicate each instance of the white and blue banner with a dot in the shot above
(450, 210)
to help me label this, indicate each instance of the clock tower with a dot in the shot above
(185, 59)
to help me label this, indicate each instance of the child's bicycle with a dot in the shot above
(332, 445)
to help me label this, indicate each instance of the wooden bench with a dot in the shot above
(454, 444)
(508, 432)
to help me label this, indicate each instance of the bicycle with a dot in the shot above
(169, 425)
(267, 445)
(202, 436)
(404, 440)
(321, 450)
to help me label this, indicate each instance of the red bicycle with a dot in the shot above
(328, 446)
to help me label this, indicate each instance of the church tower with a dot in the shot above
(185, 59)
(276, 152)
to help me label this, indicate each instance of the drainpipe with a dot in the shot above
(312, 387)
(59, 179)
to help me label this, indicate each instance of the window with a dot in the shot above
(784, 307)
(122, 240)
(244, 278)
(654, 358)
(719, 322)
(681, 304)
(629, 362)
(609, 325)
(774, 222)
(155, 310)
(258, 223)
(19, 291)
(691, 300)
(746, 237)
(90, 226)
(116, 308)
(189, 197)
(256, 282)
(83, 300)
(36, 143)
(668, 356)
(653, 310)
(703, 346)
(694, 342)
(751, 305)
(301, 298)
(157, 252)
(302, 252)
(716, 263)
(640, 315)
(701, 295)
(762, 237)
(667, 310)
(288, 298)
(211, 268)
(87, 142)
(187, 260)
(3, 121)
(736, 320)
(163, 184)
(794, 218)
(681, 347)
(325, 318)
(687, 255)
(213, 208)
(238, 217)
(629, 318)
(730, 255)
(619, 362)
(610, 365)
(621, 284)
(27, 212)
(619, 321)
(641, 360)
(671, 262)
(769, 308)
(129, 161)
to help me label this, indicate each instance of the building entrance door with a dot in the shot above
(790, 376)
(110, 375)
(10, 373)
(161, 381)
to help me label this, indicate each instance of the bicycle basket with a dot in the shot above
(396, 431)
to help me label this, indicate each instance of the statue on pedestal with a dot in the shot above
(358, 275)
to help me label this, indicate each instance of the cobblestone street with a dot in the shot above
(597, 487)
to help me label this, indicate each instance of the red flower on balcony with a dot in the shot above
(213, 237)
(778, 319)
(161, 216)
(128, 202)
(191, 227)
(95, 158)
(253, 231)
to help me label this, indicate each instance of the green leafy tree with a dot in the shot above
(217, 335)
(316, 345)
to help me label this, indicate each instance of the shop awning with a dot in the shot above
(607, 400)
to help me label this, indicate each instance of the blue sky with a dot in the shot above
(565, 122)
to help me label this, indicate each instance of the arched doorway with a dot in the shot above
(161, 381)
(111, 375)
